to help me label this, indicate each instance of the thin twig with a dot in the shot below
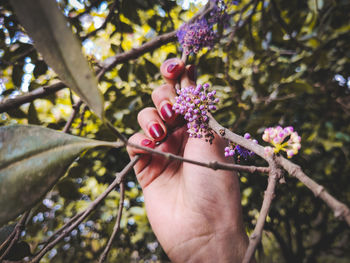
(103, 26)
(82, 119)
(255, 237)
(76, 108)
(116, 225)
(14, 236)
(215, 165)
(68, 223)
(119, 177)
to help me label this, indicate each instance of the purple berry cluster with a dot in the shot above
(194, 37)
(194, 103)
(282, 139)
(239, 151)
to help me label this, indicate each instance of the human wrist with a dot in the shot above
(220, 246)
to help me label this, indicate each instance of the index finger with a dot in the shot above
(172, 69)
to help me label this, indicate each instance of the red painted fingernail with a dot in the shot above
(191, 73)
(156, 131)
(172, 67)
(147, 143)
(167, 112)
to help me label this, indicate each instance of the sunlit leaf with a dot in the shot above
(52, 37)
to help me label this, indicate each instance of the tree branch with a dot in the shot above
(255, 238)
(340, 210)
(69, 227)
(30, 96)
(116, 225)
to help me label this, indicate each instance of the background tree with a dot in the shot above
(277, 63)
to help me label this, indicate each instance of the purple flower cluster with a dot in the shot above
(194, 103)
(193, 37)
(239, 151)
(282, 139)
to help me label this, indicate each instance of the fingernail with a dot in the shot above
(191, 73)
(172, 67)
(146, 143)
(167, 112)
(156, 131)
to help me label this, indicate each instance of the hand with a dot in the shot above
(194, 211)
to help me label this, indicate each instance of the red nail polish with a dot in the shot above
(191, 73)
(167, 112)
(156, 131)
(146, 143)
(172, 67)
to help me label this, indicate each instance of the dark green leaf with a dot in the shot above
(17, 73)
(151, 68)
(33, 115)
(47, 26)
(124, 72)
(40, 68)
(32, 159)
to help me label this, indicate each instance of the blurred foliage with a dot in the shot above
(289, 64)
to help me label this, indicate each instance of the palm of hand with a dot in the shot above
(185, 203)
(194, 211)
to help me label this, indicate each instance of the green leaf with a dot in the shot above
(17, 74)
(32, 159)
(47, 26)
(33, 115)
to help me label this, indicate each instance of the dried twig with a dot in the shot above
(103, 26)
(215, 165)
(116, 225)
(255, 237)
(76, 108)
(14, 236)
(68, 228)
(82, 119)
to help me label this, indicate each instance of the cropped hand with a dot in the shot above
(194, 211)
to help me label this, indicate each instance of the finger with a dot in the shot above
(152, 124)
(163, 98)
(172, 69)
(189, 76)
(143, 140)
